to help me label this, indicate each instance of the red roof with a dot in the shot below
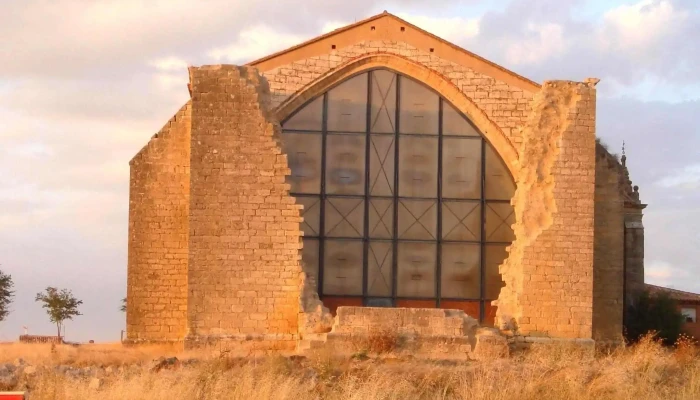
(679, 295)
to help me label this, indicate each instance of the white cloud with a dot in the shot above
(640, 25)
(168, 64)
(541, 42)
(687, 178)
(663, 273)
(254, 43)
(29, 150)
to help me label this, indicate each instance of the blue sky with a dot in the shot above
(84, 85)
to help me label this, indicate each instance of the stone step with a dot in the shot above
(305, 345)
(312, 341)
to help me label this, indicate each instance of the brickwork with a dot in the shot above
(158, 229)
(506, 105)
(549, 271)
(608, 254)
(244, 259)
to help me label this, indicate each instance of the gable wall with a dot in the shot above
(506, 105)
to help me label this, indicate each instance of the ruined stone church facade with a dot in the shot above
(379, 173)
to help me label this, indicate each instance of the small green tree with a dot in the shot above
(656, 312)
(6, 294)
(123, 307)
(61, 305)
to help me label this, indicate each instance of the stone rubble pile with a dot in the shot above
(17, 375)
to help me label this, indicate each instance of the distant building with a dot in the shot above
(689, 304)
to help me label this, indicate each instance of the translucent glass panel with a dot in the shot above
(379, 269)
(461, 220)
(345, 164)
(416, 269)
(342, 267)
(461, 168)
(419, 108)
(383, 102)
(381, 165)
(308, 118)
(494, 255)
(304, 157)
(347, 106)
(417, 219)
(345, 217)
(311, 215)
(453, 123)
(381, 218)
(499, 184)
(418, 166)
(499, 219)
(461, 266)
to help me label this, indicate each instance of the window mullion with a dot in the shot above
(368, 138)
(395, 238)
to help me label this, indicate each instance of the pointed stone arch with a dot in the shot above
(436, 81)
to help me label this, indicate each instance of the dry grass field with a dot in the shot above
(644, 371)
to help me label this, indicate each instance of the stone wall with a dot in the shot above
(158, 228)
(244, 258)
(608, 252)
(40, 339)
(403, 321)
(506, 105)
(548, 274)
(634, 253)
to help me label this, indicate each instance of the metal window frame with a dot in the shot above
(321, 238)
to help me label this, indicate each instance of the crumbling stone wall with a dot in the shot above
(244, 259)
(608, 254)
(549, 271)
(506, 105)
(158, 229)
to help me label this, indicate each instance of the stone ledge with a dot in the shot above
(480, 346)
(519, 343)
(243, 343)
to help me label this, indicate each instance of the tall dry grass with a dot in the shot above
(645, 371)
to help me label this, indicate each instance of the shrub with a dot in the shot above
(656, 312)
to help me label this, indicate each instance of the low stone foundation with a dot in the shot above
(521, 343)
(418, 332)
(40, 339)
(242, 345)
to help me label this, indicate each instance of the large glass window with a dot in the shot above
(405, 203)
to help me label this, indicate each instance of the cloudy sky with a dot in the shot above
(85, 83)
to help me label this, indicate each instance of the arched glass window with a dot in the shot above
(405, 203)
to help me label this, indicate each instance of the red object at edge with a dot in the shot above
(12, 396)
